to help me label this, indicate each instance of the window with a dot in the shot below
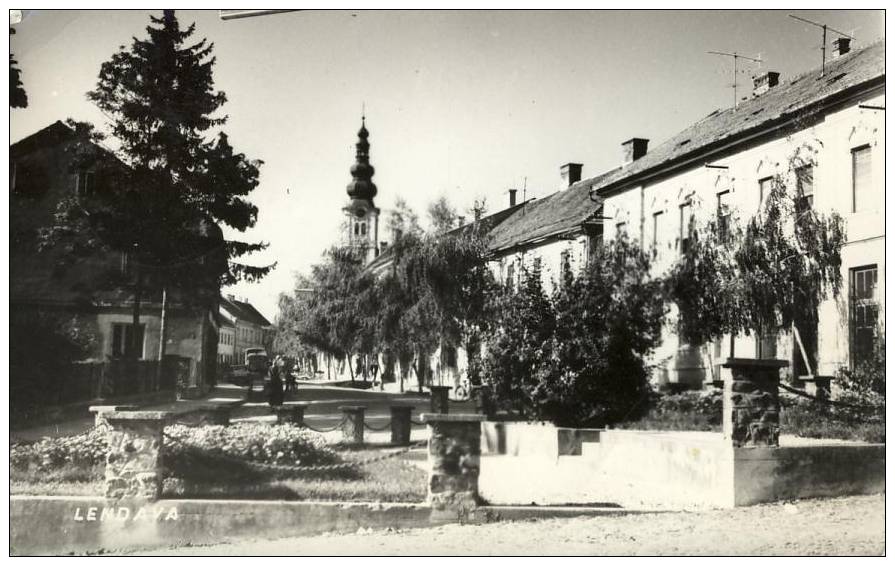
(511, 273)
(804, 190)
(565, 265)
(536, 266)
(764, 189)
(122, 337)
(686, 224)
(363, 228)
(860, 170)
(657, 220)
(864, 313)
(356, 228)
(85, 183)
(621, 229)
(723, 214)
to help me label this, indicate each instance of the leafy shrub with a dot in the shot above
(809, 419)
(283, 444)
(692, 410)
(577, 358)
(517, 343)
(86, 450)
(249, 442)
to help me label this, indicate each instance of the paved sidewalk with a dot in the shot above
(825, 527)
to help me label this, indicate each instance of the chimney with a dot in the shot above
(633, 149)
(764, 82)
(841, 46)
(570, 173)
(461, 221)
(512, 197)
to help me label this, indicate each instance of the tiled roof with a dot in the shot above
(485, 223)
(555, 214)
(568, 209)
(787, 100)
(244, 311)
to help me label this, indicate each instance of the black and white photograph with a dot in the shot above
(447, 282)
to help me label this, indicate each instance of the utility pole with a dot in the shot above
(735, 57)
(823, 44)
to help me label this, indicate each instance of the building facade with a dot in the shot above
(91, 294)
(248, 327)
(824, 134)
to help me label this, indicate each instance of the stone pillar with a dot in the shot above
(752, 402)
(455, 446)
(134, 460)
(100, 412)
(439, 403)
(821, 387)
(400, 423)
(353, 424)
(291, 413)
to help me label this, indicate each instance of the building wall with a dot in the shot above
(226, 342)
(833, 138)
(548, 256)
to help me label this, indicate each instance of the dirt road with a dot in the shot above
(840, 526)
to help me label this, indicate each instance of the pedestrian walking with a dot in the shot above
(275, 383)
(289, 375)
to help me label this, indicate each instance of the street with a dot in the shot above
(839, 526)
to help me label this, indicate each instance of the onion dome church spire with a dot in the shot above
(361, 186)
(362, 215)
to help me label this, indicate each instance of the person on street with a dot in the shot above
(275, 383)
(289, 375)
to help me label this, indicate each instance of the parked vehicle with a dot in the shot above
(256, 360)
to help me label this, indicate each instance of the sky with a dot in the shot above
(458, 103)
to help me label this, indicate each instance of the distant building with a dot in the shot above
(716, 170)
(250, 328)
(226, 342)
(361, 213)
(92, 294)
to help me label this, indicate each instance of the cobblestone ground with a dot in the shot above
(838, 526)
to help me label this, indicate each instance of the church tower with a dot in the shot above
(362, 215)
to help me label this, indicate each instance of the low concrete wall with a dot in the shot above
(670, 470)
(771, 474)
(45, 525)
(683, 469)
(534, 439)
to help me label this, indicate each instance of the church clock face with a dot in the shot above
(360, 212)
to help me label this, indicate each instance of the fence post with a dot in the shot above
(752, 402)
(438, 399)
(134, 460)
(455, 447)
(353, 424)
(400, 424)
(291, 413)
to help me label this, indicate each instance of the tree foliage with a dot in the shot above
(579, 357)
(762, 278)
(180, 185)
(18, 98)
(337, 318)
(442, 216)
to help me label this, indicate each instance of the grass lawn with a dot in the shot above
(395, 479)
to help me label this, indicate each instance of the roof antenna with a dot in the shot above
(735, 57)
(363, 112)
(823, 44)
